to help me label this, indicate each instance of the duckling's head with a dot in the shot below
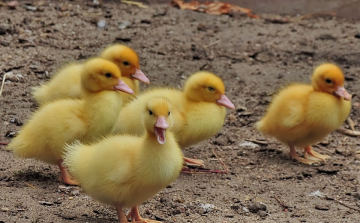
(158, 117)
(127, 61)
(330, 79)
(205, 86)
(99, 74)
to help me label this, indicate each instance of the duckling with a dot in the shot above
(66, 120)
(66, 82)
(301, 115)
(199, 110)
(127, 170)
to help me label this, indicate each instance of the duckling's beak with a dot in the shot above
(225, 101)
(139, 75)
(341, 92)
(121, 86)
(160, 128)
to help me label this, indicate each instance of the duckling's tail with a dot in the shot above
(39, 94)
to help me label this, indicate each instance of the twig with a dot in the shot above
(346, 205)
(222, 163)
(351, 123)
(349, 132)
(313, 14)
(4, 143)
(30, 185)
(211, 44)
(2, 84)
(201, 171)
(139, 4)
(282, 203)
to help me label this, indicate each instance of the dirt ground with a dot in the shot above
(255, 57)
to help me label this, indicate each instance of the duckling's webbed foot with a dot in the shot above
(295, 156)
(193, 162)
(66, 176)
(135, 217)
(314, 155)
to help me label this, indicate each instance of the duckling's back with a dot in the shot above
(64, 84)
(47, 130)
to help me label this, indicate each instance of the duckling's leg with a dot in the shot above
(135, 217)
(309, 151)
(195, 162)
(4, 143)
(120, 213)
(66, 176)
(295, 156)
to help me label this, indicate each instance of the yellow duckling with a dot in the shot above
(126, 170)
(63, 121)
(301, 115)
(199, 110)
(66, 82)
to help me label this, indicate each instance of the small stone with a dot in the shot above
(357, 156)
(70, 198)
(322, 207)
(232, 117)
(158, 218)
(101, 23)
(256, 207)
(262, 214)
(45, 203)
(124, 24)
(356, 195)
(2, 31)
(357, 36)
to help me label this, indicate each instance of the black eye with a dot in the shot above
(108, 75)
(328, 81)
(211, 89)
(168, 113)
(150, 112)
(126, 63)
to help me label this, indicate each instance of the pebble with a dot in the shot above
(124, 24)
(256, 207)
(101, 23)
(322, 207)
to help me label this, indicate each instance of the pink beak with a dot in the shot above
(161, 123)
(121, 86)
(160, 128)
(224, 101)
(341, 92)
(139, 75)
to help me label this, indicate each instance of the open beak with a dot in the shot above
(139, 75)
(224, 101)
(341, 92)
(160, 129)
(121, 86)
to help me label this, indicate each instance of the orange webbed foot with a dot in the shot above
(135, 217)
(311, 154)
(66, 177)
(193, 162)
(305, 160)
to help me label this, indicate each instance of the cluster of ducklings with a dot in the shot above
(123, 149)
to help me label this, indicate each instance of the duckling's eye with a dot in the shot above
(126, 63)
(211, 89)
(328, 81)
(108, 75)
(168, 113)
(150, 112)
